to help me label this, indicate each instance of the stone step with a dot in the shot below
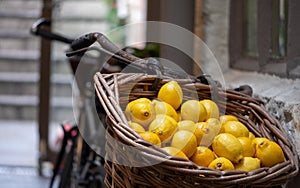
(18, 43)
(28, 61)
(16, 23)
(25, 107)
(30, 100)
(19, 55)
(22, 15)
(76, 28)
(59, 67)
(13, 83)
(12, 39)
(15, 34)
(94, 10)
(74, 25)
(20, 5)
(18, 65)
(67, 7)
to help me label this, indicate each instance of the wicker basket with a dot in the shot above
(121, 165)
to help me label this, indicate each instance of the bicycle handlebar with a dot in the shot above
(88, 39)
(82, 44)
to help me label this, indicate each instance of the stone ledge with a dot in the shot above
(281, 96)
(279, 89)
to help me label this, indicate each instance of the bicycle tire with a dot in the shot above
(66, 174)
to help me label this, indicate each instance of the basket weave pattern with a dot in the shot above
(169, 171)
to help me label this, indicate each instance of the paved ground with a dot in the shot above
(21, 181)
(25, 177)
(18, 155)
(18, 143)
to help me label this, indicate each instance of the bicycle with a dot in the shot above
(82, 166)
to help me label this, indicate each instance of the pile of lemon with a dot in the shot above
(194, 130)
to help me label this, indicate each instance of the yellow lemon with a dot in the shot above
(193, 110)
(248, 164)
(203, 156)
(224, 118)
(164, 126)
(248, 146)
(251, 135)
(259, 140)
(192, 127)
(151, 137)
(203, 125)
(165, 108)
(221, 163)
(171, 93)
(211, 107)
(136, 127)
(142, 113)
(199, 133)
(185, 141)
(128, 106)
(187, 125)
(236, 128)
(210, 131)
(269, 152)
(178, 115)
(174, 152)
(228, 146)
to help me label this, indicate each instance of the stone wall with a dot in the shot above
(216, 29)
(282, 96)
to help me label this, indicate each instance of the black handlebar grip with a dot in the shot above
(246, 89)
(83, 42)
(38, 24)
(38, 28)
